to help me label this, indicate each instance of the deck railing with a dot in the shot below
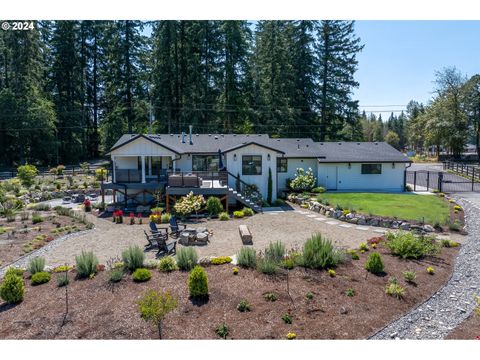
(195, 179)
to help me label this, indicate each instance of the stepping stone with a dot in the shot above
(363, 228)
(303, 212)
(380, 231)
(320, 219)
(271, 213)
(332, 222)
(345, 226)
(311, 216)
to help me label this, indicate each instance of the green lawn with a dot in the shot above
(401, 206)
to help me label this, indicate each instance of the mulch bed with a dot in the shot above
(99, 311)
(11, 246)
(468, 330)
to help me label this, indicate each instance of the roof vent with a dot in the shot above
(221, 135)
(278, 139)
(298, 139)
(307, 145)
(234, 134)
(321, 143)
(209, 134)
(183, 137)
(339, 143)
(171, 134)
(247, 135)
(298, 146)
(358, 143)
(216, 137)
(196, 134)
(376, 143)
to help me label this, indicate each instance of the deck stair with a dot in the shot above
(245, 193)
(245, 200)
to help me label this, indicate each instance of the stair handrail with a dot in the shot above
(248, 190)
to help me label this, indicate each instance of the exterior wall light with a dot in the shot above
(268, 157)
(349, 165)
(393, 165)
(234, 157)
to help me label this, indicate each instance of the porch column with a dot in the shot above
(143, 169)
(174, 164)
(150, 165)
(114, 178)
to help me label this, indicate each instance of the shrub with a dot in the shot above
(189, 204)
(309, 295)
(363, 247)
(238, 214)
(304, 180)
(332, 273)
(41, 277)
(457, 208)
(198, 283)
(374, 263)
(243, 306)
(221, 260)
(222, 331)
(187, 258)
(167, 264)
(235, 270)
(247, 211)
(223, 216)
(319, 253)
(214, 206)
(36, 265)
(454, 226)
(410, 246)
(430, 270)
(62, 279)
(275, 251)
(287, 318)
(354, 255)
(165, 218)
(318, 189)
(267, 266)
(36, 218)
(86, 264)
(141, 275)
(62, 268)
(350, 292)
(288, 263)
(15, 271)
(291, 336)
(445, 243)
(270, 296)
(395, 290)
(453, 243)
(409, 276)
(26, 174)
(133, 258)
(247, 257)
(12, 288)
(154, 306)
(100, 174)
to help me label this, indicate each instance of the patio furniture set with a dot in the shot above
(159, 237)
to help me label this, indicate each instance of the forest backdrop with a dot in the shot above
(70, 89)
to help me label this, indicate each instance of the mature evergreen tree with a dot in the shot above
(337, 48)
(27, 120)
(471, 99)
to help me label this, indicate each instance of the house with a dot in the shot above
(237, 167)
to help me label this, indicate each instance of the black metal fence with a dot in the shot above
(423, 180)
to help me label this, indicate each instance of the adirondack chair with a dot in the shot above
(160, 241)
(175, 229)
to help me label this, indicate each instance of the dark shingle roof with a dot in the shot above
(290, 147)
(359, 152)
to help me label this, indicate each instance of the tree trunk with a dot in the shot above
(160, 330)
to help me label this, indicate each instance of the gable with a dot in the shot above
(140, 145)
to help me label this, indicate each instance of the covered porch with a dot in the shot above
(141, 169)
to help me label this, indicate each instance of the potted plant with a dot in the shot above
(87, 205)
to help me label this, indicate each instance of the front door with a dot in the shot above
(331, 178)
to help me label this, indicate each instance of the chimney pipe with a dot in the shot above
(190, 127)
(183, 137)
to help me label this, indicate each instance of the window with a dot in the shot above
(251, 165)
(205, 162)
(282, 165)
(371, 168)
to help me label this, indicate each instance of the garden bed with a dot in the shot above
(468, 330)
(21, 237)
(100, 311)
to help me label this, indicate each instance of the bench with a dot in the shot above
(245, 235)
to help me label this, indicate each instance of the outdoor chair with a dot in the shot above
(159, 241)
(154, 229)
(175, 227)
(154, 239)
